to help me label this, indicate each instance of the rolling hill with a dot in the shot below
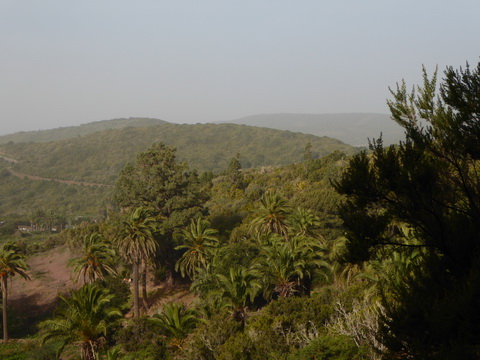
(99, 156)
(55, 174)
(68, 132)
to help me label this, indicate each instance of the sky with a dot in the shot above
(65, 63)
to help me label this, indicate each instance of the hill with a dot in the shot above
(98, 157)
(68, 132)
(56, 174)
(353, 129)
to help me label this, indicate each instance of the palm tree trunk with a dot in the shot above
(169, 271)
(88, 351)
(136, 305)
(144, 285)
(4, 308)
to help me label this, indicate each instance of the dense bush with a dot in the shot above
(142, 339)
(330, 348)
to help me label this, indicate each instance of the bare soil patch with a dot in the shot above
(34, 300)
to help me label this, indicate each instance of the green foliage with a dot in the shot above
(330, 348)
(199, 241)
(430, 184)
(138, 241)
(21, 196)
(237, 289)
(97, 260)
(287, 266)
(157, 181)
(137, 244)
(142, 338)
(98, 157)
(294, 203)
(13, 351)
(208, 337)
(176, 320)
(120, 290)
(279, 329)
(82, 319)
(77, 131)
(234, 173)
(12, 262)
(272, 215)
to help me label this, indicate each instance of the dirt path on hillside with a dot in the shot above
(8, 159)
(40, 178)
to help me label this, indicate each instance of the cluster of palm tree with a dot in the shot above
(134, 243)
(84, 318)
(289, 252)
(46, 220)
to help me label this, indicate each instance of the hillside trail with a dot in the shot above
(40, 178)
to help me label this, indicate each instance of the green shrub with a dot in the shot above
(206, 341)
(330, 348)
(142, 339)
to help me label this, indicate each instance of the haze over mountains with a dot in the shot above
(351, 128)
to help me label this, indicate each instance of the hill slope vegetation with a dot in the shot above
(98, 157)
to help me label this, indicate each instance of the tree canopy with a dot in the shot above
(158, 181)
(430, 184)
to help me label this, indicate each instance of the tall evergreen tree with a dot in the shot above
(430, 183)
(159, 182)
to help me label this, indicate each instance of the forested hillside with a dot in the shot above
(74, 131)
(98, 157)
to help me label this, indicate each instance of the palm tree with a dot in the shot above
(177, 321)
(98, 259)
(344, 272)
(205, 279)
(272, 215)
(303, 222)
(11, 262)
(198, 242)
(289, 264)
(82, 319)
(113, 353)
(138, 245)
(240, 286)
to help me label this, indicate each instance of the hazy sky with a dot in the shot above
(66, 62)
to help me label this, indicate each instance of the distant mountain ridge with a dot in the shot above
(68, 132)
(351, 128)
